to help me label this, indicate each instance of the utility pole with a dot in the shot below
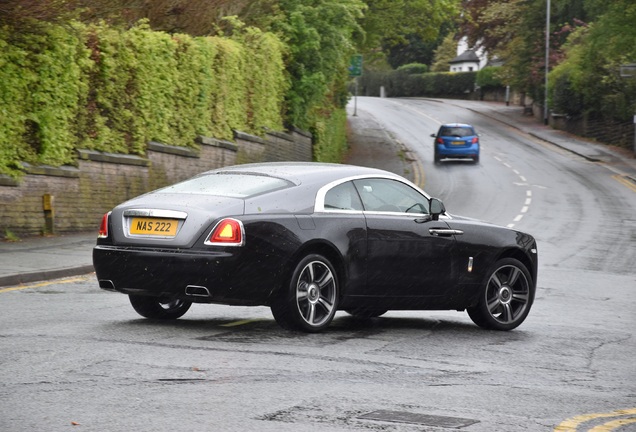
(547, 62)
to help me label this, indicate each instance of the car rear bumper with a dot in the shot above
(197, 276)
(457, 152)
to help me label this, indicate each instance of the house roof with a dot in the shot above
(466, 56)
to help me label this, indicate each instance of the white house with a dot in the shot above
(468, 60)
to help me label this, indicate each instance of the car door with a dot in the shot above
(410, 255)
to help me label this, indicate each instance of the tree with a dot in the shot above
(388, 23)
(416, 49)
(444, 53)
(319, 34)
(514, 32)
(491, 24)
(591, 69)
(23, 15)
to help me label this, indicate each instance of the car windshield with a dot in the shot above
(456, 131)
(228, 185)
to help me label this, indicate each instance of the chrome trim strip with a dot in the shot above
(319, 205)
(392, 213)
(172, 214)
(128, 214)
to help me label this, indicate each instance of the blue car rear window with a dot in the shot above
(457, 131)
(228, 185)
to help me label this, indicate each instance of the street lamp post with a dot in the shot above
(547, 62)
(629, 71)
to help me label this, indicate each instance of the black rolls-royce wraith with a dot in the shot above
(307, 240)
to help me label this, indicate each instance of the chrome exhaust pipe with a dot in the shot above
(197, 291)
(107, 285)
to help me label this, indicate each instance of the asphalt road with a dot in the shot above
(75, 357)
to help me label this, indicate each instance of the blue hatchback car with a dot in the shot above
(456, 141)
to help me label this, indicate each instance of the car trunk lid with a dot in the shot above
(170, 220)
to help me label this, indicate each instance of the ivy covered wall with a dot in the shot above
(77, 86)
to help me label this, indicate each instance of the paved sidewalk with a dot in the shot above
(40, 258)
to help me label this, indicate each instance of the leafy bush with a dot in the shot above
(330, 136)
(488, 77)
(413, 68)
(563, 98)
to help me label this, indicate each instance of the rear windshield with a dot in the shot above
(228, 185)
(457, 131)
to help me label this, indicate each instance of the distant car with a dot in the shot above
(307, 240)
(456, 141)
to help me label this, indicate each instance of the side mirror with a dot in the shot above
(433, 135)
(436, 208)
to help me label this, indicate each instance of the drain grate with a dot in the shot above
(420, 419)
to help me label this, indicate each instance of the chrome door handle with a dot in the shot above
(445, 232)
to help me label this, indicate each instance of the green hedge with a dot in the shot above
(401, 84)
(152, 86)
(106, 89)
(41, 82)
(330, 136)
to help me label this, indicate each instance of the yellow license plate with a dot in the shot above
(458, 143)
(154, 226)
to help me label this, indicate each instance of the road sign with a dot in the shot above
(355, 66)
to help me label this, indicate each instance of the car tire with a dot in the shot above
(366, 313)
(505, 298)
(476, 159)
(159, 308)
(310, 299)
(436, 158)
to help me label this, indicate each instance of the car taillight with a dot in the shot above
(475, 140)
(103, 227)
(228, 232)
(439, 140)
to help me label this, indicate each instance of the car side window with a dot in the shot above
(343, 197)
(386, 195)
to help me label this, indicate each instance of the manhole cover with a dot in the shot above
(421, 419)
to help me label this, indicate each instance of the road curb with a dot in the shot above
(37, 276)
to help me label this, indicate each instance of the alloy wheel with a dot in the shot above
(316, 293)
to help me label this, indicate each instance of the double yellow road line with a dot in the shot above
(625, 181)
(43, 284)
(622, 418)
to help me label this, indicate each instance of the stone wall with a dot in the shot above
(80, 195)
(620, 134)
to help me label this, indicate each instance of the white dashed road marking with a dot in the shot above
(524, 182)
